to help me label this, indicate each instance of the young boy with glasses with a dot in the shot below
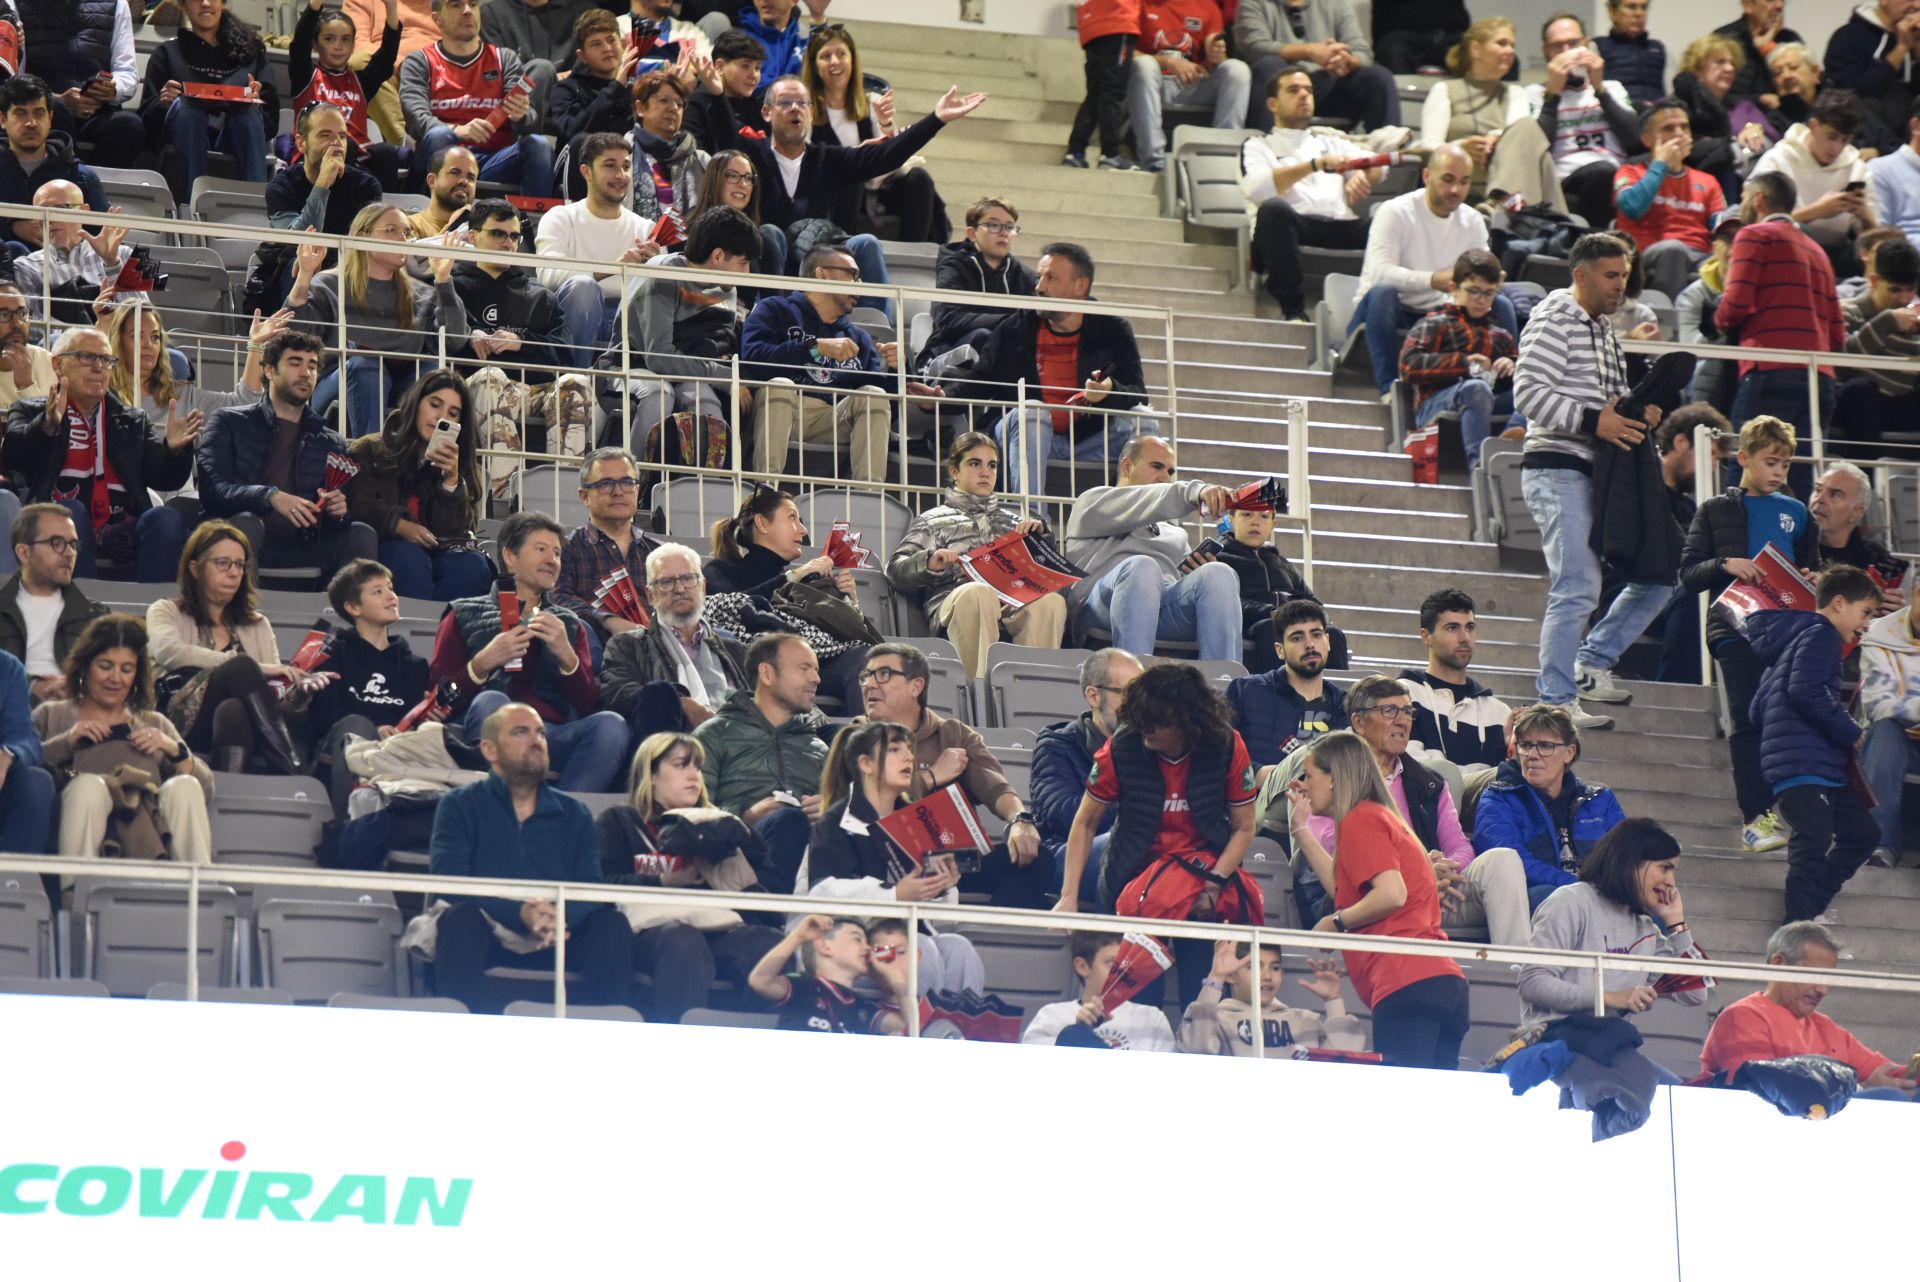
(982, 262)
(1458, 360)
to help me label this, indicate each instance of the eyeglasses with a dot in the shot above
(612, 485)
(1390, 711)
(675, 582)
(880, 676)
(852, 273)
(1112, 689)
(498, 233)
(60, 544)
(226, 563)
(1537, 748)
(786, 104)
(92, 360)
(1001, 229)
(10, 314)
(735, 176)
(1482, 295)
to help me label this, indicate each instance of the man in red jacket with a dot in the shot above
(1780, 293)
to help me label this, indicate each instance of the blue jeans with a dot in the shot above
(1885, 757)
(864, 248)
(372, 390)
(1028, 460)
(26, 810)
(434, 576)
(243, 135)
(1089, 895)
(1476, 403)
(1561, 502)
(1138, 602)
(590, 752)
(1380, 311)
(159, 534)
(527, 161)
(589, 316)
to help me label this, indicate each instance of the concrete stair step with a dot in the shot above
(1406, 552)
(1020, 120)
(1266, 431)
(1044, 225)
(1239, 352)
(958, 40)
(1038, 198)
(1666, 806)
(1631, 721)
(1410, 522)
(1446, 500)
(963, 65)
(935, 81)
(1225, 304)
(988, 153)
(1208, 325)
(1770, 870)
(1648, 774)
(1393, 651)
(1678, 750)
(1703, 841)
(1264, 414)
(1092, 184)
(1271, 460)
(1497, 591)
(1107, 251)
(1646, 694)
(1873, 948)
(1763, 904)
(1207, 376)
(1403, 619)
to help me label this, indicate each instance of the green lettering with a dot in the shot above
(12, 1177)
(274, 1192)
(157, 1202)
(115, 1182)
(420, 1192)
(362, 1197)
(219, 1195)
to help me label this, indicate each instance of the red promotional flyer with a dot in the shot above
(1781, 587)
(937, 824)
(1007, 565)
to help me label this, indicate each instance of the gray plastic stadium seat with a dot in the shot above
(1267, 864)
(175, 991)
(315, 949)
(600, 802)
(614, 1014)
(1205, 169)
(1903, 513)
(232, 204)
(534, 489)
(707, 1017)
(875, 592)
(277, 831)
(143, 192)
(296, 788)
(432, 1005)
(1017, 765)
(1509, 522)
(197, 299)
(1032, 696)
(880, 520)
(1000, 738)
(1340, 296)
(131, 935)
(910, 263)
(949, 688)
(33, 986)
(407, 202)
(26, 927)
(690, 505)
(1026, 967)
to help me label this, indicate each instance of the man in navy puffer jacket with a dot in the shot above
(1808, 739)
(1063, 758)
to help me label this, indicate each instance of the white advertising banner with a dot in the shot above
(162, 1140)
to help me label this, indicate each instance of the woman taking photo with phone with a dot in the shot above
(419, 488)
(868, 771)
(1382, 885)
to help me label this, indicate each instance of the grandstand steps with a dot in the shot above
(1227, 304)
(931, 82)
(1072, 195)
(1371, 584)
(1337, 493)
(1043, 225)
(1874, 948)
(1162, 256)
(1264, 329)
(1094, 186)
(955, 65)
(1396, 522)
(1203, 377)
(1402, 551)
(1045, 117)
(1263, 458)
(1240, 352)
(1403, 619)
(1392, 651)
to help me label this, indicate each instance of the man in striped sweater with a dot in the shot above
(1780, 293)
(1570, 373)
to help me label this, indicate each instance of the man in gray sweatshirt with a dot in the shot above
(1324, 38)
(1142, 582)
(684, 331)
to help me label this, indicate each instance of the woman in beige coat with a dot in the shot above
(131, 786)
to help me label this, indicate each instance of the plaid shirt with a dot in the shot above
(586, 560)
(1434, 357)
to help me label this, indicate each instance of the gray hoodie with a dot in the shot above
(1579, 919)
(1113, 522)
(1261, 28)
(1890, 671)
(661, 305)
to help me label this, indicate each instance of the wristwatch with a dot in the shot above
(1339, 922)
(1023, 817)
(181, 755)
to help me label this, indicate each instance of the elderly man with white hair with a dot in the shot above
(672, 674)
(1839, 507)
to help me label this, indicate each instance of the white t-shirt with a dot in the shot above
(789, 171)
(845, 128)
(573, 231)
(1132, 1027)
(42, 615)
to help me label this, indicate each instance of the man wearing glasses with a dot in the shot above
(1478, 890)
(1063, 758)
(42, 612)
(1536, 805)
(610, 541)
(74, 263)
(81, 448)
(1458, 360)
(676, 673)
(981, 263)
(511, 314)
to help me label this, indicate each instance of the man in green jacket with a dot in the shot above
(765, 753)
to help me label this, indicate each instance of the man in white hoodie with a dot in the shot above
(1836, 202)
(1890, 701)
(1294, 197)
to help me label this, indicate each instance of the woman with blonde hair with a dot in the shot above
(1382, 885)
(670, 834)
(137, 337)
(1704, 86)
(130, 786)
(392, 319)
(1477, 103)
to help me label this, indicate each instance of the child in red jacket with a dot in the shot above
(1108, 29)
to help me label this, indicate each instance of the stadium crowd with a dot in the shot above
(742, 697)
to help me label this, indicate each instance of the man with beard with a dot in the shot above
(610, 540)
(675, 672)
(514, 825)
(26, 369)
(450, 90)
(326, 188)
(449, 190)
(42, 611)
(1278, 711)
(893, 687)
(1452, 714)
(33, 153)
(600, 227)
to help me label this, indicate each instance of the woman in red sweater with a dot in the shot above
(1382, 885)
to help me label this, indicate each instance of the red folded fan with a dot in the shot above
(1007, 565)
(670, 230)
(1347, 164)
(616, 595)
(341, 468)
(509, 620)
(844, 550)
(535, 204)
(436, 705)
(1269, 495)
(1138, 961)
(308, 658)
(498, 116)
(939, 823)
(1667, 985)
(201, 91)
(1781, 587)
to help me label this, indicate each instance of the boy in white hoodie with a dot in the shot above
(1890, 702)
(1131, 1027)
(1218, 1024)
(1836, 200)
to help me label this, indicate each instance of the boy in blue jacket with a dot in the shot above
(1808, 738)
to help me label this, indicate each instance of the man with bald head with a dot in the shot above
(513, 825)
(1412, 245)
(74, 262)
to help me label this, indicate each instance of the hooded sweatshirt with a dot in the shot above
(56, 161)
(380, 685)
(1131, 1027)
(1113, 522)
(664, 310)
(1890, 671)
(515, 300)
(1217, 1024)
(961, 266)
(1812, 180)
(1856, 60)
(1580, 919)
(784, 45)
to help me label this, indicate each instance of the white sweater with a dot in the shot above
(1316, 195)
(1132, 1027)
(1406, 244)
(572, 231)
(1812, 180)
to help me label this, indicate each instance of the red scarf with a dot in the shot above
(87, 464)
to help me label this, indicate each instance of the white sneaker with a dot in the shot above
(1763, 834)
(1596, 685)
(1883, 857)
(1584, 720)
